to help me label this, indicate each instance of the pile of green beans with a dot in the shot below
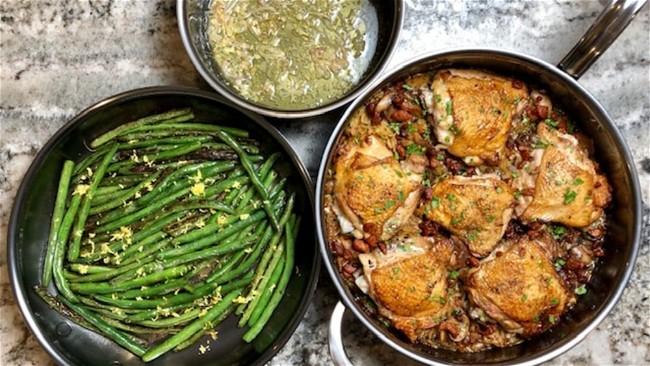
(167, 228)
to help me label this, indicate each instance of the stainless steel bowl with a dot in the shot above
(383, 28)
(622, 242)
(69, 344)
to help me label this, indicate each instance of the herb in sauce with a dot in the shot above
(290, 54)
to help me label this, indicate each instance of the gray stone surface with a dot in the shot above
(59, 57)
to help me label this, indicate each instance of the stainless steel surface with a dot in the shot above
(622, 243)
(192, 24)
(335, 339)
(607, 27)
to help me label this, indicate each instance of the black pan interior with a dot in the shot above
(70, 344)
(622, 241)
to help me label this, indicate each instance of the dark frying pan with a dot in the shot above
(70, 344)
(622, 242)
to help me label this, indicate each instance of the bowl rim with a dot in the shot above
(396, 31)
(561, 346)
(15, 278)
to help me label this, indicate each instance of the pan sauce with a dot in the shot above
(464, 209)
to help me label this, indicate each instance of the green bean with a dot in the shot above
(89, 269)
(255, 180)
(155, 313)
(122, 181)
(112, 333)
(270, 273)
(102, 139)
(171, 153)
(57, 217)
(256, 328)
(195, 127)
(162, 141)
(60, 248)
(117, 199)
(101, 191)
(214, 251)
(108, 287)
(73, 250)
(227, 274)
(277, 284)
(171, 321)
(163, 288)
(201, 333)
(136, 329)
(192, 328)
(102, 276)
(213, 238)
(151, 229)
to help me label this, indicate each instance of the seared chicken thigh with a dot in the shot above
(372, 190)
(477, 209)
(567, 188)
(519, 287)
(409, 283)
(473, 112)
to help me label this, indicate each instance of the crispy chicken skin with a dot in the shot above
(410, 282)
(567, 188)
(473, 112)
(371, 187)
(477, 209)
(519, 287)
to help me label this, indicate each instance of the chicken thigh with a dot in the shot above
(473, 112)
(477, 209)
(518, 287)
(409, 282)
(567, 189)
(373, 191)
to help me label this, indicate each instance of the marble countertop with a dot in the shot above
(58, 57)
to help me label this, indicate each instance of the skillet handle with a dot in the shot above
(334, 338)
(608, 26)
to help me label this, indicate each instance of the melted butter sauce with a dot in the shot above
(292, 54)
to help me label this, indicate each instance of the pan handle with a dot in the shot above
(335, 339)
(608, 26)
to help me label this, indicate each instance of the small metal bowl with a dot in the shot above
(70, 344)
(384, 22)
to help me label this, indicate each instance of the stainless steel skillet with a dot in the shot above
(622, 243)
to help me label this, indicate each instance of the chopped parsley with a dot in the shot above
(581, 290)
(454, 275)
(524, 297)
(554, 301)
(435, 202)
(560, 262)
(453, 129)
(551, 123)
(578, 181)
(569, 196)
(389, 204)
(395, 126)
(448, 107)
(440, 156)
(415, 149)
(539, 144)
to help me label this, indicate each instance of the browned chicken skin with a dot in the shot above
(473, 112)
(567, 188)
(477, 209)
(410, 282)
(371, 187)
(519, 288)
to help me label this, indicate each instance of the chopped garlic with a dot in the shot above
(241, 300)
(244, 216)
(221, 220)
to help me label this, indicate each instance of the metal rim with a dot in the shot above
(361, 89)
(17, 284)
(560, 347)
